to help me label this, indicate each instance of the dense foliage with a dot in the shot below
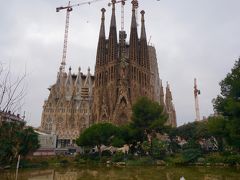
(228, 105)
(16, 139)
(97, 135)
(148, 116)
(147, 119)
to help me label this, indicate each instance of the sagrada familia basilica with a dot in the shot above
(124, 71)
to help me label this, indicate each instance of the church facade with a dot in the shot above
(123, 73)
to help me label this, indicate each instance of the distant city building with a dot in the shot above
(47, 142)
(10, 117)
(123, 73)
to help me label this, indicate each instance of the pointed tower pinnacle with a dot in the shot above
(112, 42)
(133, 49)
(169, 91)
(143, 31)
(134, 21)
(69, 77)
(170, 107)
(144, 59)
(78, 84)
(69, 85)
(88, 82)
(113, 18)
(59, 77)
(168, 98)
(101, 58)
(161, 95)
(102, 28)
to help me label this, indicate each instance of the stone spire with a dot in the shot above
(88, 82)
(144, 58)
(170, 108)
(102, 28)
(113, 18)
(133, 49)
(59, 77)
(69, 85)
(78, 84)
(143, 30)
(112, 40)
(101, 49)
(59, 83)
(168, 98)
(161, 94)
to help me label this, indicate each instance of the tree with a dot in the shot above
(148, 116)
(147, 119)
(193, 131)
(202, 130)
(97, 135)
(16, 139)
(228, 104)
(12, 90)
(217, 128)
(186, 131)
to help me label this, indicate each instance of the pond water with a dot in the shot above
(125, 173)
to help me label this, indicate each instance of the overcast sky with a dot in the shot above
(193, 38)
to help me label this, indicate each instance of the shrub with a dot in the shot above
(201, 160)
(214, 158)
(44, 163)
(176, 159)
(129, 156)
(107, 153)
(147, 160)
(146, 147)
(191, 155)
(159, 149)
(104, 159)
(118, 157)
(64, 161)
(232, 159)
(93, 156)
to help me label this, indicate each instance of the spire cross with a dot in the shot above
(142, 13)
(135, 9)
(134, 4)
(103, 13)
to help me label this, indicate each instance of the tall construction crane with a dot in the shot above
(135, 3)
(196, 93)
(69, 8)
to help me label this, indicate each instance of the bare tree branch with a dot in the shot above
(12, 90)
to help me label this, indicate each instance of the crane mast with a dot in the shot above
(122, 15)
(64, 55)
(196, 93)
(69, 8)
